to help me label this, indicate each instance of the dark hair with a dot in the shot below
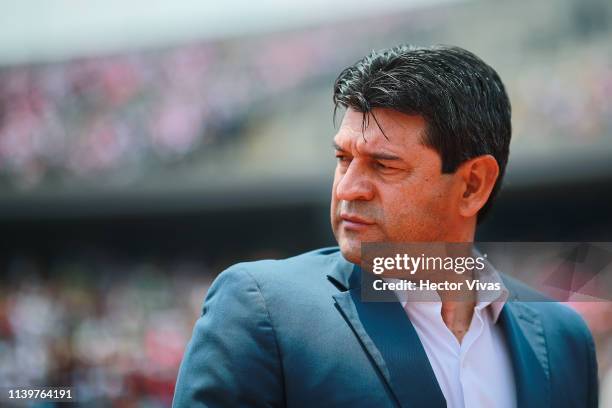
(461, 98)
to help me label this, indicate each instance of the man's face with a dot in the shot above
(388, 190)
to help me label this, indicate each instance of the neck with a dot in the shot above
(458, 309)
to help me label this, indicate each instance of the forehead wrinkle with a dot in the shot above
(372, 141)
(351, 141)
(376, 152)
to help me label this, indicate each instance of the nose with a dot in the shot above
(354, 184)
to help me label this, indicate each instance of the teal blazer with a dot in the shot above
(294, 333)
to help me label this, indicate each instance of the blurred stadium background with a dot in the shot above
(146, 146)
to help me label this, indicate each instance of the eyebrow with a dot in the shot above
(374, 155)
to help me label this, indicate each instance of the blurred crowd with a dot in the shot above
(563, 102)
(113, 331)
(132, 112)
(125, 114)
(116, 331)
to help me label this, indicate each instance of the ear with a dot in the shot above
(478, 176)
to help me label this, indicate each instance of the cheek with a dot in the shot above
(416, 212)
(433, 200)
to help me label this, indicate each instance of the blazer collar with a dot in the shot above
(344, 275)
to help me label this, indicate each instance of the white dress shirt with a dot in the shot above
(476, 373)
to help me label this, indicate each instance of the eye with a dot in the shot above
(381, 166)
(342, 159)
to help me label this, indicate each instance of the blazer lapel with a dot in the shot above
(390, 340)
(525, 337)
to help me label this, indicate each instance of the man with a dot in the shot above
(421, 152)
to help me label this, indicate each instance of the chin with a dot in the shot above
(351, 251)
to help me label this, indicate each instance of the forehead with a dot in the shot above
(403, 132)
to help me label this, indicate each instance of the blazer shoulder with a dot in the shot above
(301, 270)
(558, 318)
(564, 325)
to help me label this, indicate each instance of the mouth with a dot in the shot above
(354, 222)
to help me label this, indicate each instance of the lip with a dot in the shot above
(354, 222)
